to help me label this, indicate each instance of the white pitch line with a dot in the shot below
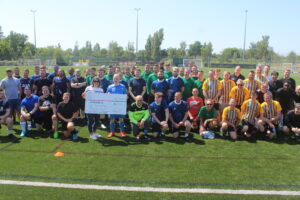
(149, 189)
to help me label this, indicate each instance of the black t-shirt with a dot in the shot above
(291, 81)
(46, 102)
(77, 92)
(235, 78)
(297, 98)
(286, 99)
(293, 120)
(137, 85)
(260, 96)
(3, 106)
(40, 83)
(274, 86)
(66, 109)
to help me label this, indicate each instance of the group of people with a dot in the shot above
(160, 100)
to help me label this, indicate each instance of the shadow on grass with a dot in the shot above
(110, 142)
(8, 139)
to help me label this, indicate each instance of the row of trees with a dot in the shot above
(16, 46)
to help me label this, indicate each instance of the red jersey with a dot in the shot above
(194, 105)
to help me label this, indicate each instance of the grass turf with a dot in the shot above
(255, 164)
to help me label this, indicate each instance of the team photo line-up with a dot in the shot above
(159, 100)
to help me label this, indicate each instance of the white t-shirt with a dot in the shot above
(93, 89)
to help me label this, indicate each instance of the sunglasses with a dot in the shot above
(240, 84)
(208, 104)
(96, 81)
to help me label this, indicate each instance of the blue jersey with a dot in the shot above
(116, 89)
(104, 84)
(123, 82)
(70, 77)
(178, 110)
(159, 110)
(60, 85)
(137, 85)
(29, 103)
(160, 86)
(175, 85)
(51, 76)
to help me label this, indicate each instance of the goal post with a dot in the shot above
(197, 62)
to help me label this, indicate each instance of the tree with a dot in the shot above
(97, 50)
(195, 49)
(76, 50)
(182, 49)
(156, 42)
(292, 57)
(16, 42)
(114, 50)
(129, 51)
(231, 53)
(1, 33)
(261, 50)
(206, 52)
(148, 48)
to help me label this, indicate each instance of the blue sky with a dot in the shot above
(217, 21)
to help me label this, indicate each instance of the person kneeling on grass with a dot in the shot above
(30, 111)
(5, 113)
(66, 112)
(270, 112)
(160, 114)
(47, 107)
(293, 122)
(139, 117)
(178, 116)
(208, 117)
(250, 111)
(230, 119)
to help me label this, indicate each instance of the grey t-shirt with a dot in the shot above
(11, 87)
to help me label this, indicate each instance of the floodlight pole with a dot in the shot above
(137, 29)
(246, 11)
(33, 12)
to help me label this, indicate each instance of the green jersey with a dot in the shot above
(127, 78)
(205, 114)
(138, 113)
(188, 86)
(89, 79)
(198, 84)
(168, 75)
(109, 77)
(152, 77)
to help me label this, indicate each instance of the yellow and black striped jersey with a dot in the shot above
(227, 85)
(261, 78)
(211, 87)
(240, 95)
(252, 85)
(250, 110)
(271, 110)
(232, 116)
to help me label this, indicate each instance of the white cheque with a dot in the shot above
(103, 103)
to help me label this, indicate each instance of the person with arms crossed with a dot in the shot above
(227, 85)
(239, 93)
(212, 89)
(137, 85)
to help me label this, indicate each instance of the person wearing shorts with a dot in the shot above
(78, 85)
(159, 110)
(66, 113)
(194, 104)
(116, 88)
(270, 112)
(60, 85)
(5, 113)
(178, 116)
(30, 111)
(47, 106)
(12, 88)
(208, 117)
(231, 117)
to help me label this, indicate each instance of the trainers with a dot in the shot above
(55, 135)
(95, 136)
(103, 126)
(146, 137)
(186, 135)
(111, 134)
(122, 134)
(23, 133)
(138, 137)
(74, 136)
